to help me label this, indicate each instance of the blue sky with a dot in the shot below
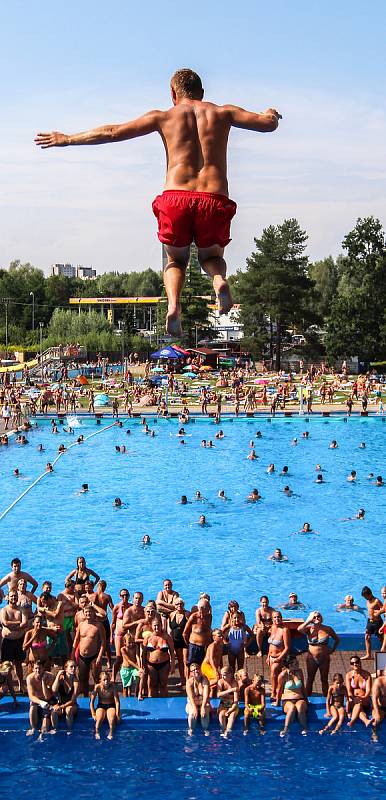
(82, 64)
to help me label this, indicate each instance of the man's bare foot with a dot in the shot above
(97, 735)
(30, 731)
(223, 294)
(365, 657)
(173, 322)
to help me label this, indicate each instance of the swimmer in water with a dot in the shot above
(252, 456)
(61, 448)
(379, 481)
(117, 502)
(307, 529)
(258, 434)
(84, 489)
(253, 496)
(219, 435)
(360, 515)
(294, 442)
(202, 522)
(221, 495)
(146, 540)
(49, 467)
(362, 445)
(352, 476)
(293, 602)
(319, 478)
(318, 468)
(184, 500)
(40, 448)
(203, 442)
(288, 492)
(333, 445)
(277, 556)
(305, 435)
(210, 443)
(284, 471)
(17, 473)
(198, 496)
(349, 605)
(270, 469)
(182, 441)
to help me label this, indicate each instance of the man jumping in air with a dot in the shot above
(194, 205)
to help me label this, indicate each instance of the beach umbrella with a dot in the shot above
(82, 380)
(168, 352)
(157, 369)
(54, 386)
(190, 375)
(101, 400)
(206, 368)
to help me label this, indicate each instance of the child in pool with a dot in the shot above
(337, 704)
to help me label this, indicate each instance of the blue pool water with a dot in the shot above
(52, 524)
(163, 763)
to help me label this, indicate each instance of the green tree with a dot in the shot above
(325, 274)
(275, 290)
(357, 321)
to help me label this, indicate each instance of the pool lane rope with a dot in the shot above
(75, 444)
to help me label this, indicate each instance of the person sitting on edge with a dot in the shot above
(195, 204)
(255, 704)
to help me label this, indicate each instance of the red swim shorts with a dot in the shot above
(202, 217)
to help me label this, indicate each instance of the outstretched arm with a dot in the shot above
(148, 123)
(265, 122)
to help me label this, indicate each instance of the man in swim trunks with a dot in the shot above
(13, 577)
(195, 205)
(14, 622)
(90, 637)
(374, 621)
(197, 633)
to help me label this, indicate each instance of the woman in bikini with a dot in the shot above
(82, 574)
(66, 688)
(337, 704)
(292, 694)
(198, 705)
(319, 652)
(263, 622)
(358, 685)
(108, 704)
(142, 631)
(177, 622)
(160, 659)
(279, 645)
(36, 643)
(116, 634)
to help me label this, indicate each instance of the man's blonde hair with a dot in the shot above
(187, 83)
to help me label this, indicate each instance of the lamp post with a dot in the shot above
(41, 324)
(123, 348)
(32, 294)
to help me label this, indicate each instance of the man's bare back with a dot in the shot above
(195, 136)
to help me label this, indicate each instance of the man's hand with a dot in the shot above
(53, 139)
(274, 113)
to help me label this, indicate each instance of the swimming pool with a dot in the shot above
(164, 763)
(53, 524)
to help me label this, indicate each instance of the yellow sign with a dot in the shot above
(90, 301)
